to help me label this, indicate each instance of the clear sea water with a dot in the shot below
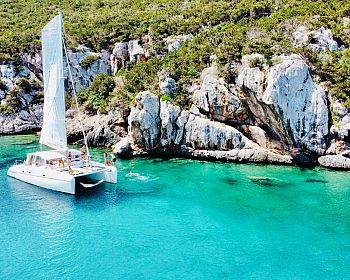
(177, 219)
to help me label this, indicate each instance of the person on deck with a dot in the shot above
(114, 159)
(82, 152)
(60, 163)
(105, 156)
(69, 159)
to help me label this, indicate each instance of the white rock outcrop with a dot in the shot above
(317, 40)
(335, 161)
(204, 134)
(128, 52)
(122, 148)
(101, 130)
(169, 114)
(300, 103)
(167, 85)
(165, 128)
(251, 76)
(83, 77)
(175, 42)
(22, 121)
(341, 128)
(144, 122)
(215, 97)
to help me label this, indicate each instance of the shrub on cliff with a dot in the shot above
(95, 97)
(87, 61)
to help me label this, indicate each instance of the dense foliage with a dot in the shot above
(95, 97)
(226, 28)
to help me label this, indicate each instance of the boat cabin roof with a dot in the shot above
(48, 155)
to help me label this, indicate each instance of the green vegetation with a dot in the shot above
(333, 68)
(165, 97)
(95, 98)
(88, 60)
(12, 101)
(226, 28)
(24, 85)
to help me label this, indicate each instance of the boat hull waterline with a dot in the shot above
(57, 180)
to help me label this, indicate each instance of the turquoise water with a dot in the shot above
(177, 219)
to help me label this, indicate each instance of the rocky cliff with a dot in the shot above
(270, 111)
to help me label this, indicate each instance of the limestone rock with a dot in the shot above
(168, 116)
(300, 103)
(83, 77)
(22, 121)
(252, 77)
(204, 134)
(174, 43)
(135, 50)
(341, 128)
(215, 97)
(101, 130)
(335, 161)
(167, 86)
(122, 148)
(119, 56)
(317, 40)
(144, 122)
(180, 124)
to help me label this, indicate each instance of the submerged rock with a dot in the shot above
(267, 181)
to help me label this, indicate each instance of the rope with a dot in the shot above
(75, 95)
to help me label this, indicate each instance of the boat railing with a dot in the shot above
(19, 161)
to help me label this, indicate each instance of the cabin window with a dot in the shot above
(29, 160)
(39, 161)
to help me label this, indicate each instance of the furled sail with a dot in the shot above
(53, 133)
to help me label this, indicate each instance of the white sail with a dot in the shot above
(53, 133)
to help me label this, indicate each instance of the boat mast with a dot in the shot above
(75, 93)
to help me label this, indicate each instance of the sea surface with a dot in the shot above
(177, 219)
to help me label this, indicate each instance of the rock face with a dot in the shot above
(174, 43)
(272, 113)
(335, 161)
(142, 49)
(22, 121)
(341, 128)
(144, 122)
(301, 104)
(167, 86)
(19, 100)
(160, 127)
(203, 134)
(122, 148)
(216, 98)
(168, 117)
(317, 40)
(84, 75)
(101, 130)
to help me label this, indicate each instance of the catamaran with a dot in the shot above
(60, 169)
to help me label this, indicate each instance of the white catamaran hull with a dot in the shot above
(56, 180)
